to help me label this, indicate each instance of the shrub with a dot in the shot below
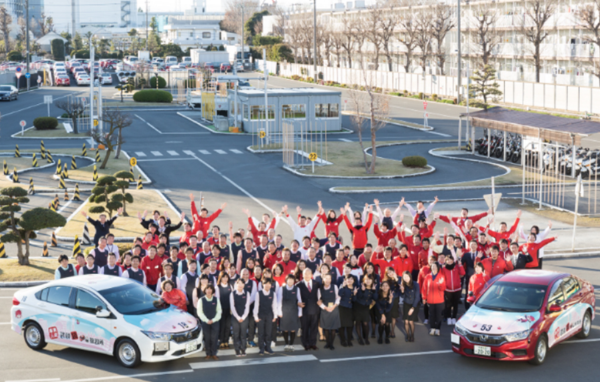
(451, 102)
(454, 100)
(14, 55)
(162, 83)
(395, 94)
(58, 49)
(152, 95)
(421, 95)
(414, 161)
(45, 123)
(434, 97)
(65, 115)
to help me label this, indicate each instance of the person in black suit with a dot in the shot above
(310, 310)
(468, 261)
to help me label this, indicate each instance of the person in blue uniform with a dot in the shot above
(65, 269)
(239, 301)
(135, 273)
(209, 313)
(347, 293)
(111, 268)
(89, 268)
(265, 313)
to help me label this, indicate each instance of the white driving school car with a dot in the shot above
(105, 314)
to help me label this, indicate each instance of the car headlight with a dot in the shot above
(460, 329)
(158, 336)
(517, 336)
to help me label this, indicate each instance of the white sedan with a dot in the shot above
(83, 79)
(106, 79)
(105, 314)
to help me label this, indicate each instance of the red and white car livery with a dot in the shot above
(520, 315)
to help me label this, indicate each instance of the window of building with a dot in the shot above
(327, 110)
(293, 111)
(191, 34)
(206, 34)
(258, 112)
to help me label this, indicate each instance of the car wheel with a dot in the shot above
(34, 336)
(128, 354)
(586, 326)
(541, 350)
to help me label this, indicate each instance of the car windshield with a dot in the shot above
(133, 299)
(513, 297)
(4, 88)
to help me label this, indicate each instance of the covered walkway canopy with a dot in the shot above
(567, 131)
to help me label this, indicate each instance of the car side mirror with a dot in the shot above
(555, 308)
(102, 313)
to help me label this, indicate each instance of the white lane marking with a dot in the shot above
(173, 153)
(36, 380)
(65, 206)
(12, 297)
(142, 119)
(220, 152)
(112, 377)
(436, 133)
(29, 107)
(159, 160)
(188, 152)
(4, 323)
(235, 151)
(155, 129)
(344, 140)
(156, 153)
(231, 352)
(385, 356)
(253, 361)
(140, 154)
(579, 341)
(205, 152)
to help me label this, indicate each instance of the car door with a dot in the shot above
(54, 315)
(92, 333)
(555, 321)
(574, 306)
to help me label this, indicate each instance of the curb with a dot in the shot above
(249, 148)
(398, 123)
(207, 128)
(432, 169)
(16, 136)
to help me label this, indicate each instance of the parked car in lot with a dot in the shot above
(8, 93)
(106, 79)
(521, 314)
(225, 67)
(62, 80)
(83, 79)
(212, 66)
(105, 314)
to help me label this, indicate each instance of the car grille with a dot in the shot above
(187, 336)
(485, 339)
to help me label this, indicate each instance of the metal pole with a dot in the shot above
(266, 97)
(577, 192)
(315, 38)
(541, 166)
(459, 52)
(489, 141)
(73, 20)
(146, 24)
(243, 67)
(26, 39)
(459, 131)
(504, 155)
(91, 118)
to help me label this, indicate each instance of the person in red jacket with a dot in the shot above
(533, 248)
(495, 265)
(453, 272)
(149, 240)
(504, 232)
(476, 284)
(387, 261)
(423, 255)
(172, 295)
(432, 291)
(405, 260)
(152, 267)
(413, 251)
(359, 232)
(262, 229)
(384, 234)
(332, 222)
(421, 281)
(288, 265)
(464, 216)
(202, 221)
(426, 230)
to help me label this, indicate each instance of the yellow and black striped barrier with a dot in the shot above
(66, 195)
(95, 178)
(61, 183)
(98, 156)
(84, 150)
(76, 196)
(76, 247)
(58, 168)
(45, 250)
(34, 162)
(65, 172)
(53, 242)
(2, 250)
(73, 163)
(49, 157)
(139, 183)
(31, 190)
(17, 152)
(5, 167)
(42, 148)
(15, 176)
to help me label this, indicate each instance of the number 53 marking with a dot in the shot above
(486, 328)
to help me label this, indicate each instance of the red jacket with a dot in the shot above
(288, 268)
(256, 234)
(427, 232)
(452, 277)
(504, 235)
(406, 264)
(500, 267)
(175, 297)
(383, 264)
(423, 258)
(203, 224)
(359, 235)
(532, 249)
(476, 284)
(460, 221)
(383, 238)
(433, 290)
(270, 260)
(413, 251)
(422, 274)
(152, 268)
(334, 226)
(339, 265)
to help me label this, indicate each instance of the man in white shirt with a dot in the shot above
(111, 246)
(301, 231)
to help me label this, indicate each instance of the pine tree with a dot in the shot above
(484, 87)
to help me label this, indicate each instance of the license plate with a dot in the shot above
(483, 350)
(190, 346)
(455, 338)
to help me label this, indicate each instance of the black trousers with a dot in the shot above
(240, 334)
(225, 330)
(251, 324)
(151, 287)
(426, 311)
(451, 301)
(211, 337)
(435, 315)
(540, 263)
(265, 331)
(309, 324)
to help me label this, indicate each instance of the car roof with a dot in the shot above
(94, 282)
(533, 276)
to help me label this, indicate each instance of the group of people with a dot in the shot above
(249, 286)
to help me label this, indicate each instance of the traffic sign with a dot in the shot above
(18, 74)
(47, 98)
(22, 123)
(262, 134)
(18, 69)
(132, 161)
(27, 75)
(424, 105)
(492, 200)
(95, 122)
(312, 156)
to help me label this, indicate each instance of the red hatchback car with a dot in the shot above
(521, 314)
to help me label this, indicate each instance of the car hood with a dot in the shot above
(500, 322)
(171, 320)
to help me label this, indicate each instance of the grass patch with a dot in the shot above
(124, 226)
(39, 269)
(23, 162)
(270, 146)
(552, 214)
(59, 132)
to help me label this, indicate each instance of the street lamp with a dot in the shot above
(315, 39)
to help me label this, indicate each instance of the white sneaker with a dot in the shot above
(454, 321)
(437, 332)
(273, 344)
(449, 321)
(432, 332)
(425, 321)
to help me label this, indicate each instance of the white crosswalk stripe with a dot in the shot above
(205, 152)
(173, 153)
(156, 153)
(140, 154)
(220, 152)
(188, 152)
(235, 151)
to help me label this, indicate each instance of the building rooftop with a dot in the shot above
(288, 92)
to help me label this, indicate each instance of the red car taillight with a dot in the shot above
(15, 301)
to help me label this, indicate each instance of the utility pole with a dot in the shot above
(146, 25)
(27, 39)
(315, 39)
(73, 18)
(235, 63)
(458, 60)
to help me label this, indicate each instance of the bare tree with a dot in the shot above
(442, 24)
(589, 19)
(408, 36)
(325, 39)
(42, 24)
(73, 108)
(371, 28)
(5, 26)
(424, 27)
(233, 21)
(485, 37)
(537, 14)
(387, 29)
(306, 29)
(294, 37)
(378, 105)
(348, 38)
(337, 40)
(114, 122)
(281, 22)
(358, 34)
(358, 105)
(258, 27)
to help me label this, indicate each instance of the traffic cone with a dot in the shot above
(84, 150)
(53, 242)
(34, 160)
(43, 155)
(17, 153)
(76, 194)
(45, 250)
(66, 195)
(98, 156)
(58, 168)
(49, 157)
(73, 163)
(51, 207)
(31, 190)
(76, 247)
(86, 235)
(139, 186)
(5, 168)
(15, 176)
(131, 170)
(95, 178)
(42, 148)
(61, 183)
(56, 201)
(2, 250)
(65, 172)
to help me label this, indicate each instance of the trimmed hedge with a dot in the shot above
(414, 161)
(162, 83)
(153, 95)
(45, 123)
